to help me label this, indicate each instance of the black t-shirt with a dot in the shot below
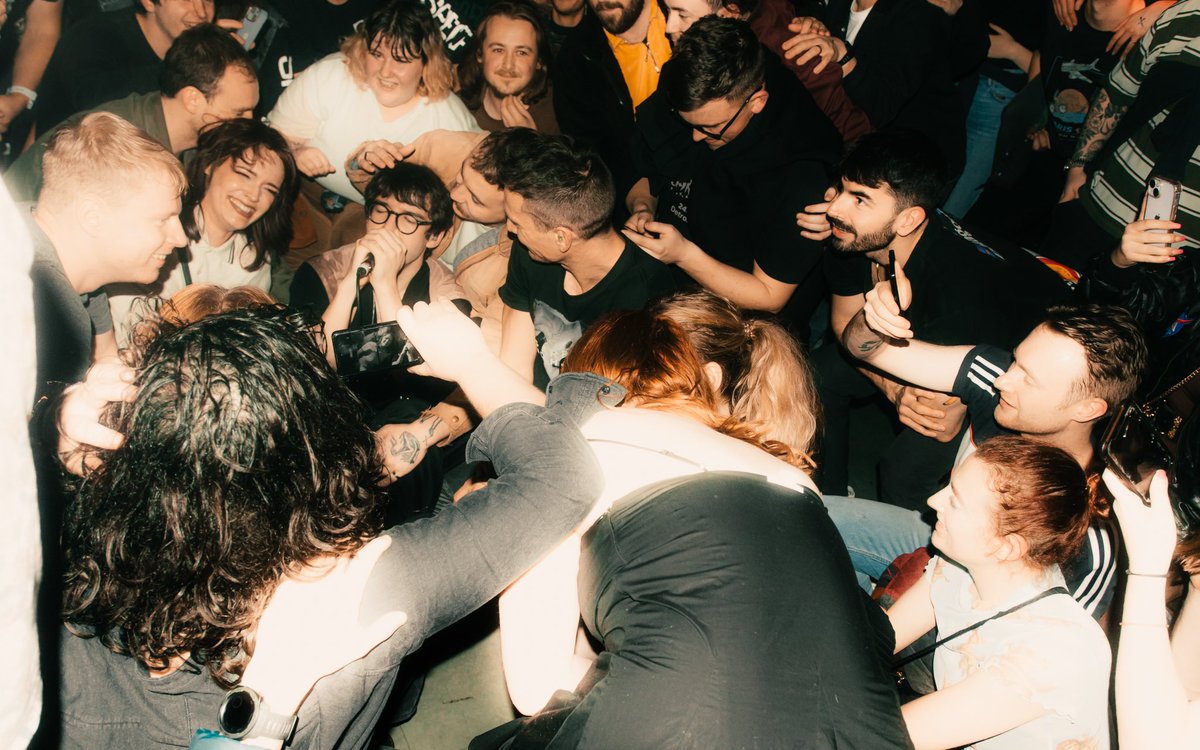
(963, 290)
(976, 386)
(1074, 65)
(102, 58)
(560, 318)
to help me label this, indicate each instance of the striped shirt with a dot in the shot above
(1113, 196)
(1091, 574)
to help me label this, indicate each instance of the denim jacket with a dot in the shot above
(436, 570)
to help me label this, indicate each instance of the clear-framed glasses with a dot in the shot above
(378, 213)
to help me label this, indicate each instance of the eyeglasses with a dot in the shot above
(378, 213)
(720, 134)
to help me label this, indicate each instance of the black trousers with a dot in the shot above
(912, 467)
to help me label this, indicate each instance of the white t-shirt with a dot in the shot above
(639, 447)
(1052, 652)
(326, 108)
(857, 19)
(21, 560)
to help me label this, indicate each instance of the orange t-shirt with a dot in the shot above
(641, 62)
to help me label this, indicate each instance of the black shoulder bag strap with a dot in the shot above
(930, 649)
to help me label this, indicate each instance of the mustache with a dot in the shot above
(602, 5)
(840, 225)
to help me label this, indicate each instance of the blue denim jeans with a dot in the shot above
(983, 127)
(875, 533)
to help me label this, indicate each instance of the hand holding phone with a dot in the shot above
(371, 349)
(1133, 450)
(252, 25)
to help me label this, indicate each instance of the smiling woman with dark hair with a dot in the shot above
(236, 214)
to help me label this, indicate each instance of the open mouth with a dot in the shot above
(241, 208)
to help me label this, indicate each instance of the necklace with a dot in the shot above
(650, 54)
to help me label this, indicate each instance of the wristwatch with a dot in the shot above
(243, 714)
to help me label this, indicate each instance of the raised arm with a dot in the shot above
(439, 569)
(1153, 707)
(881, 336)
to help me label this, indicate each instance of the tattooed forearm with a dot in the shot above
(404, 447)
(431, 422)
(1102, 119)
(859, 339)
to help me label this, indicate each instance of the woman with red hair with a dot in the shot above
(1018, 662)
(709, 569)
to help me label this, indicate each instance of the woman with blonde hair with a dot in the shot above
(702, 512)
(765, 380)
(354, 110)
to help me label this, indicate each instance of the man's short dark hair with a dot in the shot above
(490, 152)
(470, 70)
(199, 58)
(717, 58)
(1113, 342)
(908, 163)
(245, 455)
(562, 184)
(416, 185)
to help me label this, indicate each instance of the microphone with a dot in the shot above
(366, 267)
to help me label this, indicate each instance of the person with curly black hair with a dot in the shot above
(246, 460)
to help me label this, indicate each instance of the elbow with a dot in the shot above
(527, 699)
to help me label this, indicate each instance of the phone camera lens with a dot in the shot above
(1155, 192)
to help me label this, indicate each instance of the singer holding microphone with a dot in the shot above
(360, 285)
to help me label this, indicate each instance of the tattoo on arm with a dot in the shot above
(405, 448)
(1102, 119)
(859, 339)
(432, 421)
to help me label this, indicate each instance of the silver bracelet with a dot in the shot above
(26, 92)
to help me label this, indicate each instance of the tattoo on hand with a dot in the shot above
(405, 448)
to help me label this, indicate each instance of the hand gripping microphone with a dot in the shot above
(366, 267)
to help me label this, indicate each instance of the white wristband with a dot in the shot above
(28, 93)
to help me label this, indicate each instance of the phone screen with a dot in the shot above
(371, 349)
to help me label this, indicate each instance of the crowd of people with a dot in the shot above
(337, 320)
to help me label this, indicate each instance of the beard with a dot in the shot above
(621, 22)
(864, 243)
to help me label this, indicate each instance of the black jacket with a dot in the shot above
(592, 102)
(903, 75)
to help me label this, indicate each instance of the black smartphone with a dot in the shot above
(372, 349)
(1132, 448)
